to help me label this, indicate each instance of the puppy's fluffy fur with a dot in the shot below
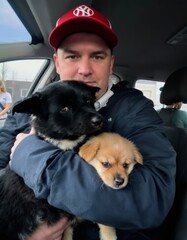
(64, 114)
(114, 158)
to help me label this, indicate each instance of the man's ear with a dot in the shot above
(55, 58)
(89, 150)
(112, 63)
(31, 104)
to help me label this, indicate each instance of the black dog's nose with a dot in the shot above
(118, 181)
(96, 121)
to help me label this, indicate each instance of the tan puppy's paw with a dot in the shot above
(107, 233)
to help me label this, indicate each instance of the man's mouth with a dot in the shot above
(90, 83)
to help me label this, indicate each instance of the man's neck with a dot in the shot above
(102, 101)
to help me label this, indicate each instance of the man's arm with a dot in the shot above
(14, 124)
(71, 184)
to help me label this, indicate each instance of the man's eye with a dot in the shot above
(72, 57)
(65, 109)
(98, 57)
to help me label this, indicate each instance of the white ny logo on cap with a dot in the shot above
(83, 11)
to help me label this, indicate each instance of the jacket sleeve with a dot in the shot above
(71, 184)
(14, 124)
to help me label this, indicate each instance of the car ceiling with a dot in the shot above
(143, 27)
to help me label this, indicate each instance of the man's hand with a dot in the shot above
(55, 232)
(19, 138)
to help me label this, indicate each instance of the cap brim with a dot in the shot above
(82, 25)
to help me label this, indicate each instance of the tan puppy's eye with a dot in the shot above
(126, 165)
(65, 109)
(106, 164)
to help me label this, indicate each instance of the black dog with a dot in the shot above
(63, 114)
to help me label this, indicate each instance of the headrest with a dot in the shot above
(175, 88)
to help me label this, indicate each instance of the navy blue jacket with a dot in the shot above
(71, 184)
(14, 124)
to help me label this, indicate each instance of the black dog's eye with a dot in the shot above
(126, 165)
(65, 109)
(106, 164)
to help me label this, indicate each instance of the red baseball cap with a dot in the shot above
(82, 19)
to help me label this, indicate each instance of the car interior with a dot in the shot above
(152, 47)
(173, 91)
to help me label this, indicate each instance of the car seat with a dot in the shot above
(171, 114)
(175, 88)
(175, 224)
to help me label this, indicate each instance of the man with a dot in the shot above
(83, 41)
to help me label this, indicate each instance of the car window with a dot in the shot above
(19, 75)
(151, 90)
(10, 25)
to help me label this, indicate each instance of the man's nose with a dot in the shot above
(85, 67)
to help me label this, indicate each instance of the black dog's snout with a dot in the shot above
(97, 121)
(118, 181)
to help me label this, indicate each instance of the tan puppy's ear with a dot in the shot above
(89, 150)
(138, 156)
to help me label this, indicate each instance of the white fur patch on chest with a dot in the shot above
(65, 144)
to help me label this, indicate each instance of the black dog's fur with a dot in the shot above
(64, 114)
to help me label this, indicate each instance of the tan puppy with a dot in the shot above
(114, 158)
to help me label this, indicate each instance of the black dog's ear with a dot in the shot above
(95, 90)
(30, 104)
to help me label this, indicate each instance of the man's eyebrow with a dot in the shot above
(100, 52)
(68, 50)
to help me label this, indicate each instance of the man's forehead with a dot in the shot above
(83, 38)
(67, 50)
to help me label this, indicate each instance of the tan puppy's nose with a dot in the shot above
(118, 181)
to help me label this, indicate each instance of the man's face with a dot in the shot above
(87, 58)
